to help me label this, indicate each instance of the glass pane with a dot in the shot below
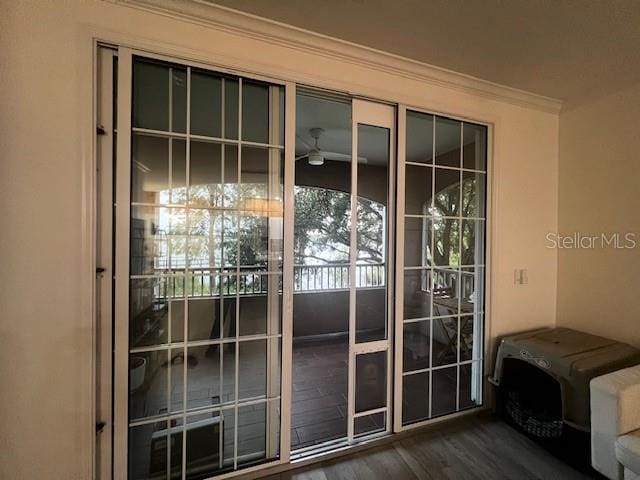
(149, 451)
(417, 294)
(206, 104)
(415, 397)
(205, 174)
(371, 228)
(149, 312)
(254, 177)
(176, 368)
(369, 424)
(474, 152)
(148, 378)
(205, 240)
(204, 311)
(230, 176)
(255, 112)
(179, 98)
(150, 95)
(228, 387)
(473, 195)
(228, 435)
(252, 440)
(446, 241)
(203, 376)
(254, 304)
(472, 242)
(203, 444)
(445, 292)
(176, 315)
(231, 97)
(149, 169)
(448, 140)
(157, 239)
(444, 396)
(416, 345)
(418, 187)
(419, 137)
(371, 381)
(466, 337)
(252, 369)
(228, 291)
(469, 282)
(470, 376)
(321, 269)
(447, 193)
(445, 341)
(178, 192)
(254, 243)
(417, 242)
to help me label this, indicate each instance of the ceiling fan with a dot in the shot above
(315, 156)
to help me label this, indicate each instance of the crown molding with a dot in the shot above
(247, 25)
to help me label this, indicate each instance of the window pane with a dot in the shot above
(418, 195)
(206, 104)
(447, 192)
(369, 424)
(231, 97)
(205, 170)
(252, 375)
(150, 95)
(444, 396)
(473, 195)
(446, 241)
(419, 137)
(149, 311)
(415, 397)
(446, 284)
(179, 97)
(203, 444)
(149, 169)
(371, 381)
(203, 376)
(148, 378)
(255, 112)
(448, 140)
(371, 231)
(417, 242)
(204, 308)
(417, 294)
(416, 342)
(474, 153)
(472, 242)
(445, 341)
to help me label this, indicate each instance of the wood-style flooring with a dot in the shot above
(474, 447)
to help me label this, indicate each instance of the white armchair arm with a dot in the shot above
(615, 411)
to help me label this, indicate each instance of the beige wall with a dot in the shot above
(45, 139)
(599, 193)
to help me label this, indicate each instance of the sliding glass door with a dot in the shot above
(200, 237)
(440, 287)
(279, 289)
(342, 275)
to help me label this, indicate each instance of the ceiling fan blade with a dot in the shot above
(341, 157)
(302, 156)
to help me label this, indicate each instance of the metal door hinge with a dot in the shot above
(100, 130)
(100, 427)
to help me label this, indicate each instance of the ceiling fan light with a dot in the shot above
(315, 158)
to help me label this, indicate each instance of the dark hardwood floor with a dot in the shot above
(476, 447)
